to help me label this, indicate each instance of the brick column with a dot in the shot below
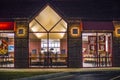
(116, 52)
(116, 45)
(74, 45)
(21, 44)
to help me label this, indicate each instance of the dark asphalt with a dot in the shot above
(107, 75)
(95, 75)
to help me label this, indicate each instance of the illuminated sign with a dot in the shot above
(6, 25)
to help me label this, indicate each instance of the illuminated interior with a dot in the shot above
(48, 39)
(97, 49)
(6, 49)
(48, 21)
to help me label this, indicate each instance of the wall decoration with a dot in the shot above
(102, 45)
(34, 51)
(10, 48)
(63, 51)
(3, 45)
(92, 44)
(102, 39)
(92, 40)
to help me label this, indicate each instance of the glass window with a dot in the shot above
(54, 45)
(97, 49)
(7, 49)
(46, 36)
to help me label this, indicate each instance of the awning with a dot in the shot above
(98, 25)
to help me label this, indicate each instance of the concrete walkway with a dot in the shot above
(60, 69)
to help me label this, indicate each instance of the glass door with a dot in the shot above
(97, 49)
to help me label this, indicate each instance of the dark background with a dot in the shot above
(85, 9)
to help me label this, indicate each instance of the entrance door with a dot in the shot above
(97, 49)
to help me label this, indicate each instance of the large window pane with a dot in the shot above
(97, 49)
(6, 49)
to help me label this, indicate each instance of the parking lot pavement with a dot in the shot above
(71, 73)
(116, 78)
(95, 75)
(45, 77)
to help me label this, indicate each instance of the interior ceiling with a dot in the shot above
(51, 22)
(8, 35)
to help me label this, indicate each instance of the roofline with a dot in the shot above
(13, 19)
(93, 19)
(48, 4)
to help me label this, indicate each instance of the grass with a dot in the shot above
(18, 74)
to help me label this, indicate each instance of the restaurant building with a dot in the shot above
(50, 39)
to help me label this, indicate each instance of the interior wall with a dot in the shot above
(11, 42)
(63, 45)
(34, 44)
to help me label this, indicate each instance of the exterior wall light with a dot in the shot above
(75, 30)
(21, 31)
(117, 31)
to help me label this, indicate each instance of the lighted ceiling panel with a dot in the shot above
(60, 27)
(35, 27)
(48, 18)
(51, 22)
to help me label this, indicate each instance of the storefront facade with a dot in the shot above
(50, 40)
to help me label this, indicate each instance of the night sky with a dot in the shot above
(86, 9)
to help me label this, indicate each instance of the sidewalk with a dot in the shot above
(61, 69)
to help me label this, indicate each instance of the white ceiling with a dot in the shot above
(8, 35)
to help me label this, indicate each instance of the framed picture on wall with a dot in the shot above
(63, 51)
(102, 39)
(102, 47)
(3, 45)
(34, 51)
(10, 48)
(92, 39)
